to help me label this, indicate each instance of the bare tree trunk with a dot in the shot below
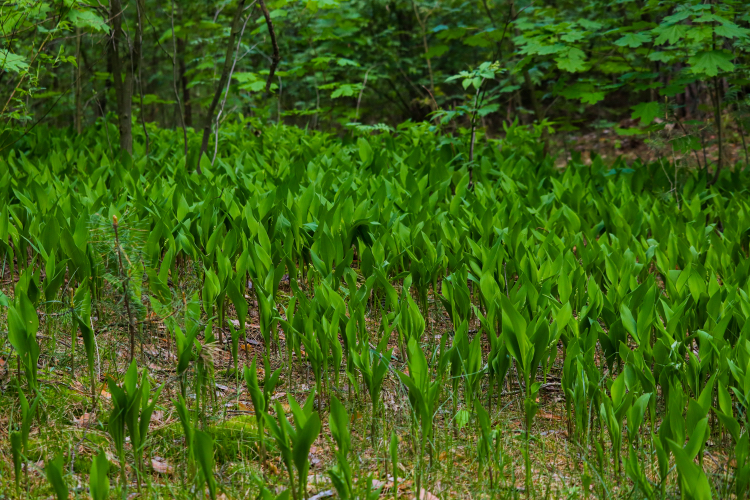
(425, 46)
(107, 84)
(123, 88)
(236, 27)
(717, 116)
(79, 107)
(136, 60)
(538, 111)
(275, 57)
(174, 85)
(535, 104)
(719, 136)
(188, 113)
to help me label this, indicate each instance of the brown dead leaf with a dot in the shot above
(161, 466)
(405, 485)
(85, 421)
(377, 483)
(277, 396)
(549, 416)
(273, 469)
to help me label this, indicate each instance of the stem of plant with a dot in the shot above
(124, 288)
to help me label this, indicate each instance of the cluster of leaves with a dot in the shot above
(345, 62)
(645, 288)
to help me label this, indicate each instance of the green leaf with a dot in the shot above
(462, 418)
(88, 19)
(514, 331)
(671, 34)
(711, 62)
(436, 51)
(365, 151)
(662, 56)
(586, 92)
(16, 451)
(343, 61)
(646, 111)
(346, 90)
(53, 469)
(338, 422)
(98, 480)
(628, 321)
(12, 63)
(256, 393)
(731, 30)
(490, 108)
(633, 40)
(204, 453)
(573, 61)
(695, 479)
(303, 441)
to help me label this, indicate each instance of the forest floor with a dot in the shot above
(607, 143)
(72, 424)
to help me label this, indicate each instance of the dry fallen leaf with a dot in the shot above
(85, 421)
(376, 483)
(277, 396)
(549, 416)
(323, 494)
(161, 466)
(426, 495)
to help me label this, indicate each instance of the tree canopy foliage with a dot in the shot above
(565, 64)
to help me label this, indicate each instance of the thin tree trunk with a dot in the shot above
(425, 46)
(137, 55)
(79, 107)
(275, 57)
(717, 119)
(174, 85)
(744, 144)
(187, 114)
(717, 116)
(236, 27)
(123, 88)
(538, 111)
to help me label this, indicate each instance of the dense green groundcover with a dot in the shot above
(424, 309)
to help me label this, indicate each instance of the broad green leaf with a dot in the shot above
(646, 111)
(365, 151)
(204, 454)
(628, 321)
(633, 40)
(711, 62)
(53, 469)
